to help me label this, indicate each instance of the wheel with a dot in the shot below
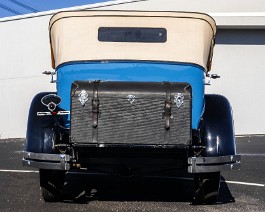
(207, 187)
(51, 184)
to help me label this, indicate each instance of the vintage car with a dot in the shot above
(130, 101)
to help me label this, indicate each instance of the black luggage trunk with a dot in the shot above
(130, 114)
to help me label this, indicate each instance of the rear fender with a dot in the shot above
(40, 135)
(217, 127)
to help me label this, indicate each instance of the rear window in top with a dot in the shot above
(132, 34)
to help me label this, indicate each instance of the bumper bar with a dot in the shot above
(46, 161)
(213, 164)
(195, 164)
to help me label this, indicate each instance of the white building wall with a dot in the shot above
(24, 55)
(242, 71)
(238, 58)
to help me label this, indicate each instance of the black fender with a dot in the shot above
(217, 127)
(40, 135)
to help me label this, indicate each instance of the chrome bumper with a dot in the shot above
(46, 161)
(195, 164)
(213, 164)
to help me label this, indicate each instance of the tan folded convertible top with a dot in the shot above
(74, 37)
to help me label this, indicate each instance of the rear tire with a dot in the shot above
(51, 184)
(206, 187)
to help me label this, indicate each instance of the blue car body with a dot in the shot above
(133, 71)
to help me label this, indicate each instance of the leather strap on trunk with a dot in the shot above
(95, 112)
(167, 108)
(167, 111)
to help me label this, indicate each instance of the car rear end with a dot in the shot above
(131, 86)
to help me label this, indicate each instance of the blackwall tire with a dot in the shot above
(206, 187)
(51, 184)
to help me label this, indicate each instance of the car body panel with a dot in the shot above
(133, 71)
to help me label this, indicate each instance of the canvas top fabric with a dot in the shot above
(74, 36)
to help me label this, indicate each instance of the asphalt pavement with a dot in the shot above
(242, 190)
